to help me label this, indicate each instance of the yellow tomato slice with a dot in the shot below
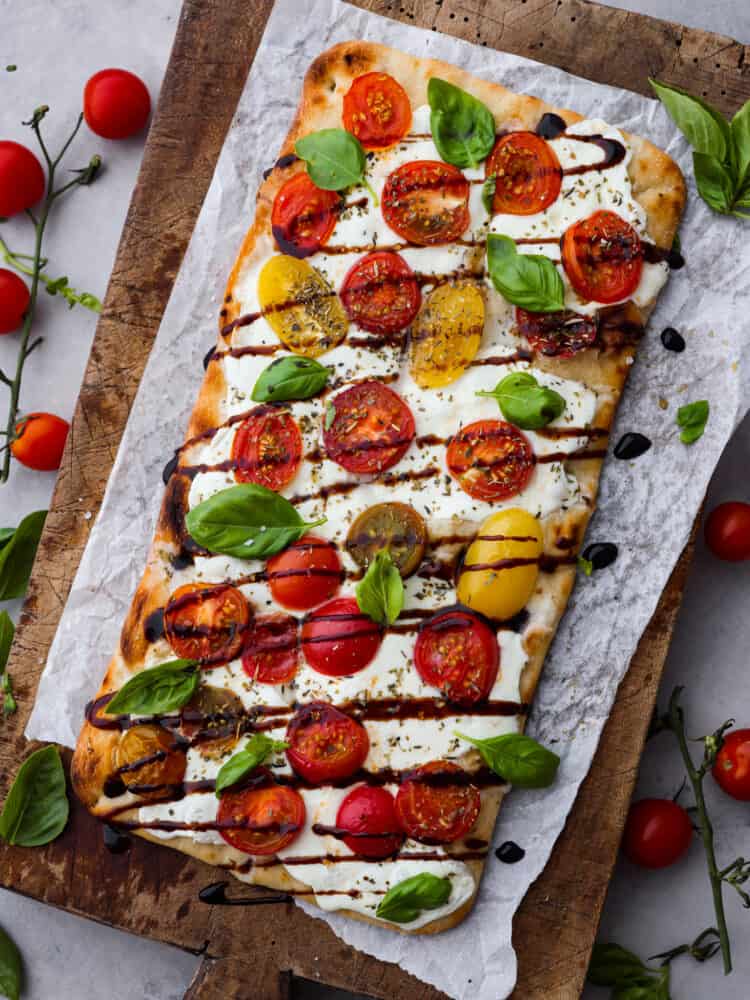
(446, 334)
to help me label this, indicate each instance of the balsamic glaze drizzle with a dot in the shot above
(601, 554)
(215, 895)
(510, 853)
(672, 340)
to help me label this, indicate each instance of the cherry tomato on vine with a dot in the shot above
(21, 178)
(727, 531)
(732, 766)
(40, 441)
(14, 300)
(657, 833)
(116, 103)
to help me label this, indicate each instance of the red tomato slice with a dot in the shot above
(377, 110)
(491, 459)
(657, 833)
(380, 293)
(206, 622)
(14, 300)
(370, 430)
(303, 216)
(271, 653)
(602, 257)
(267, 448)
(262, 819)
(427, 202)
(305, 574)
(338, 639)
(369, 816)
(557, 334)
(324, 744)
(431, 809)
(40, 441)
(527, 173)
(732, 766)
(458, 653)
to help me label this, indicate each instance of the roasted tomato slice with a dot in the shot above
(367, 428)
(325, 744)
(271, 653)
(393, 526)
(211, 719)
(603, 257)
(491, 459)
(338, 639)
(557, 334)
(380, 293)
(427, 202)
(447, 334)
(149, 760)
(267, 448)
(433, 807)
(369, 816)
(377, 110)
(206, 622)
(303, 216)
(458, 653)
(262, 819)
(527, 174)
(305, 574)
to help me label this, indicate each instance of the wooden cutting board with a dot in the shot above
(153, 891)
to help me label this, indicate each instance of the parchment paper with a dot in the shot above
(646, 506)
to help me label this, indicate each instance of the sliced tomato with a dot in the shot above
(367, 428)
(380, 293)
(206, 622)
(491, 459)
(603, 257)
(211, 720)
(267, 448)
(303, 216)
(262, 819)
(557, 334)
(394, 526)
(338, 639)
(527, 174)
(435, 809)
(150, 760)
(325, 744)
(458, 653)
(305, 574)
(369, 816)
(377, 110)
(427, 202)
(271, 653)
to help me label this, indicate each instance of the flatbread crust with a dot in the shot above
(657, 185)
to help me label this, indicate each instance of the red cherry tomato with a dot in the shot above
(267, 448)
(206, 622)
(305, 574)
(369, 815)
(427, 202)
(116, 103)
(22, 180)
(377, 110)
(602, 257)
(527, 173)
(271, 653)
(727, 531)
(40, 441)
(491, 459)
(262, 819)
(380, 293)
(338, 639)
(303, 216)
(732, 765)
(458, 654)
(14, 300)
(432, 809)
(325, 744)
(370, 429)
(657, 833)
(557, 334)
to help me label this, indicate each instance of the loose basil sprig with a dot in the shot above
(526, 403)
(380, 593)
(17, 550)
(259, 748)
(36, 809)
(406, 900)
(163, 688)
(11, 968)
(518, 759)
(528, 280)
(334, 159)
(7, 631)
(463, 128)
(692, 418)
(288, 378)
(619, 968)
(246, 521)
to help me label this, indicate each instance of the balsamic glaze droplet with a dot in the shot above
(115, 841)
(509, 852)
(675, 260)
(182, 560)
(207, 358)
(114, 788)
(672, 340)
(600, 554)
(550, 126)
(153, 627)
(214, 894)
(169, 468)
(631, 445)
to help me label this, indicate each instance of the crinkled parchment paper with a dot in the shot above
(647, 506)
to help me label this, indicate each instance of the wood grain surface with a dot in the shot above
(153, 891)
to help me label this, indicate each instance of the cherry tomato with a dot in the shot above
(370, 428)
(206, 622)
(338, 639)
(303, 216)
(527, 174)
(267, 448)
(369, 814)
(557, 334)
(732, 766)
(324, 744)
(262, 819)
(377, 110)
(433, 810)
(149, 761)
(491, 459)
(211, 719)
(458, 653)
(380, 293)
(271, 653)
(427, 202)
(393, 526)
(602, 257)
(657, 833)
(306, 573)
(22, 180)
(40, 442)
(727, 531)
(14, 300)
(116, 104)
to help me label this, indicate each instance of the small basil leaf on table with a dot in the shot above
(703, 126)
(11, 969)
(526, 403)
(36, 809)
(714, 182)
(259, 748)
(406, 900)
(17, 555)
(380, 593)
(518, 759)
(692, 418)
(488, 193)
(334, 159)
(290, 378)
(585, 565)
(528, 280)
(463, 129)
(154, 690)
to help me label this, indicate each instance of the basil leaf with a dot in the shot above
(6, 688)
(527, 280)
(517, 758)
(11, 970)
(740, 128)
(7, 631)
(488, 192)
(17, 556)
(692, 418)
(406, 900)
(703, 126)
(463, 129)
(526, 403)
(36, 809)
(5, 536)
(247, 521)
(259, 748)
(330, 415)
(714, 182)
(291, 377)
(156, 689)
(334, 159)
(380, 593)
(585, 565)
(612, 965)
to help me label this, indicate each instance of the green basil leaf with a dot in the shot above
(585, 565)
(488, 193)
(406, 900)
(334, 159)
(36, 809)
(612, 965)
(526, 403)
(527, 280)
(652, 988)
(692, 418)
(154, 690)
(518, 759)
(740, 127)
(291, 377)
(17, 556)
(246, 521)
(714, 182)
(703, 126)
(11, 969)
(7, 631)
(5, 536)
(259, 748)
(463, 129)
(6, 688)
(380, 593)
(330, 415)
